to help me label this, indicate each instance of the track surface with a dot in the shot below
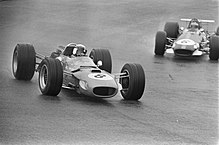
(180, 103)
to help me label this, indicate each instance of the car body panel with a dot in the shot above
(193, 35)
(86, 78)
(94, 80)
(188, 43)
(74, 63)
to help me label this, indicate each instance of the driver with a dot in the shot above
(194, 25)
(79, 50)
(69, 49)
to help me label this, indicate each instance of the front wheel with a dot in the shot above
(132, 81)
(50, 76)
(214, 48)
(160, 43)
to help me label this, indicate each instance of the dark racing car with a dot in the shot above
(191, 41)
(70, 67)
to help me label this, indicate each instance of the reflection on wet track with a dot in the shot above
(180, 102)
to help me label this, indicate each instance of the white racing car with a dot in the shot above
(191, 41)
(70, 67)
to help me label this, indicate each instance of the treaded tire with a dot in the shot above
(172, 29)
(104, 56)
(23, 62)
(133, 85)
(50, 76)
(160, 43)
(214, 48)
(217, 31)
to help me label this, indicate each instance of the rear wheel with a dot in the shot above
(214, 48)
(160, 43)
(172, 29)
(104, 56)
(133, 81)
(50, 76)
(23, 63)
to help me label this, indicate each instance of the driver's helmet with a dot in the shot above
(79, 50)
(194, 24)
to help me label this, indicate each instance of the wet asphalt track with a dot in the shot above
(180, 103)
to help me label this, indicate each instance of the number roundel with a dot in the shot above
(100, 76)
(185, 42)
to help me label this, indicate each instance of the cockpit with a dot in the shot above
(73, 49)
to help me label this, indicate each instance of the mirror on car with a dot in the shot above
(182, 28)
(202, 30)
(99, 63)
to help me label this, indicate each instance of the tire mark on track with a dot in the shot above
(171, 77)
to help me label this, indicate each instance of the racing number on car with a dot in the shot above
(100, 76)
(184, 41)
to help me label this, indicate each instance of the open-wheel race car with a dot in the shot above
(70, 67)
(186, 42)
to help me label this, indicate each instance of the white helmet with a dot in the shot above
(79, 50)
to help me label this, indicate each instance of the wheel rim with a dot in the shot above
(125, 82)
(43, 78)
(15, 62)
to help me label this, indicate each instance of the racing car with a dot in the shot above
(70, 67)
(186, 42)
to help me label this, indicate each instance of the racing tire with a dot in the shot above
(133, 82)
(50, 76)
(217, 31)
(172, 29)
(23, 62)
(160, 43)
(214, 48)
(104, 56)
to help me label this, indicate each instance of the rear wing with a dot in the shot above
(201, 21)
